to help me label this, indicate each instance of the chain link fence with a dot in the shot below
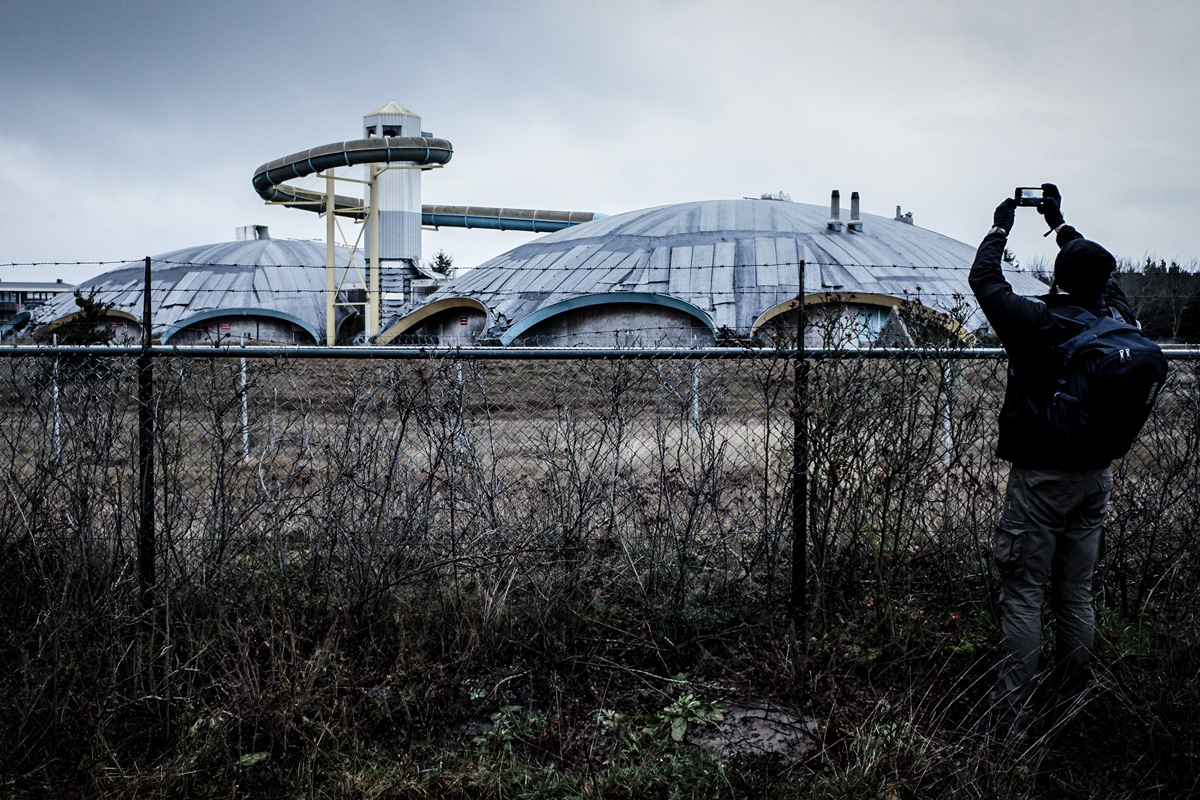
(667, 476)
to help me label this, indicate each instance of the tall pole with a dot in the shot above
(145, 370)
(245, 409)
(799, 598)
(372, 326)
(330, 261)
(57, 415)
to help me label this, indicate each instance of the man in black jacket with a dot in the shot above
(1049, 529)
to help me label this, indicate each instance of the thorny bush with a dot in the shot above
(362, 564)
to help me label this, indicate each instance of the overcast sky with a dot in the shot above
(133, 128)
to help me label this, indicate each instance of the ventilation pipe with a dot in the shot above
(835, 210)
(855, 222)
(249, 233)
(906, 218)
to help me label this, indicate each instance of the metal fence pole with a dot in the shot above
(145, 371)
(948, 414)
(696, 396)
(245, 408)
(799, 598)
(57, 412)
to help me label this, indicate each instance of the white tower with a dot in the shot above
(398, 201)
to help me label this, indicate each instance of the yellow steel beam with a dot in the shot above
(372, 323)
(330, 262)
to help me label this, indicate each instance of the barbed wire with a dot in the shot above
(63, 263)
(917, 293)
(516, 291)
(1040, 263)
(585, 267)
(640, 267)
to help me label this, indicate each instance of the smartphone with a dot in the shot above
(1028, 195)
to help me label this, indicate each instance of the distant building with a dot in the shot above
(254, 290)
(18, 299)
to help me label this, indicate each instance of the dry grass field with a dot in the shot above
(469, 578)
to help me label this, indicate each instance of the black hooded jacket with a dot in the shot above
(1030, 334)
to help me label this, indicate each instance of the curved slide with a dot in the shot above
(269, 182)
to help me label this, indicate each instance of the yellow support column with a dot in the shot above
(372, 326)
(330, 262)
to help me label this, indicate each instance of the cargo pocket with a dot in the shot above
(1010, 552)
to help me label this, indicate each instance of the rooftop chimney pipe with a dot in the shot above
(855, 222)
(835, 209)
(248, 233)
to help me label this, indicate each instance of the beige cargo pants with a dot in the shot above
(1049, 533)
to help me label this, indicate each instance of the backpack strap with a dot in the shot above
(1080, 321)
(1117, 315)
(1093, 327)
(1075, 314)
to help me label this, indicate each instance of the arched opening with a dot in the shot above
(450, 321)
(235, 325)
(615, 320)
(858, 319)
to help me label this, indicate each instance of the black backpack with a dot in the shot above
(1110, 379)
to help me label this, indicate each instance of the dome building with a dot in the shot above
(712, 272)
(255, 289)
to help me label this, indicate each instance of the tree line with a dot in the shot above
(1165, 295)
(1166, 298)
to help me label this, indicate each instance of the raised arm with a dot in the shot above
(1011, 316)
(1051, 209)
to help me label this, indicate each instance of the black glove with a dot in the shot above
(1051, 205)
(1006, 214)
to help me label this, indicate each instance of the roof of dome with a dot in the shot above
(275, 277)
(731, 259)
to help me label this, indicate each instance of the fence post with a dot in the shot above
(696, 396)
(948, 414)
(57, 413)
(245, 392)
(799, 594)
(145, 371)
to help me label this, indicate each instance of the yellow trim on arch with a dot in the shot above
(125, 315)
(865, 298)
(424, 313)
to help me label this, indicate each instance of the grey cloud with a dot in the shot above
(940, 107)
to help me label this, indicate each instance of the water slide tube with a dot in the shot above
(269, 181)
(10, 324)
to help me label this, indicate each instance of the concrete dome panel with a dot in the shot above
(733, 260)
(278, 280)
